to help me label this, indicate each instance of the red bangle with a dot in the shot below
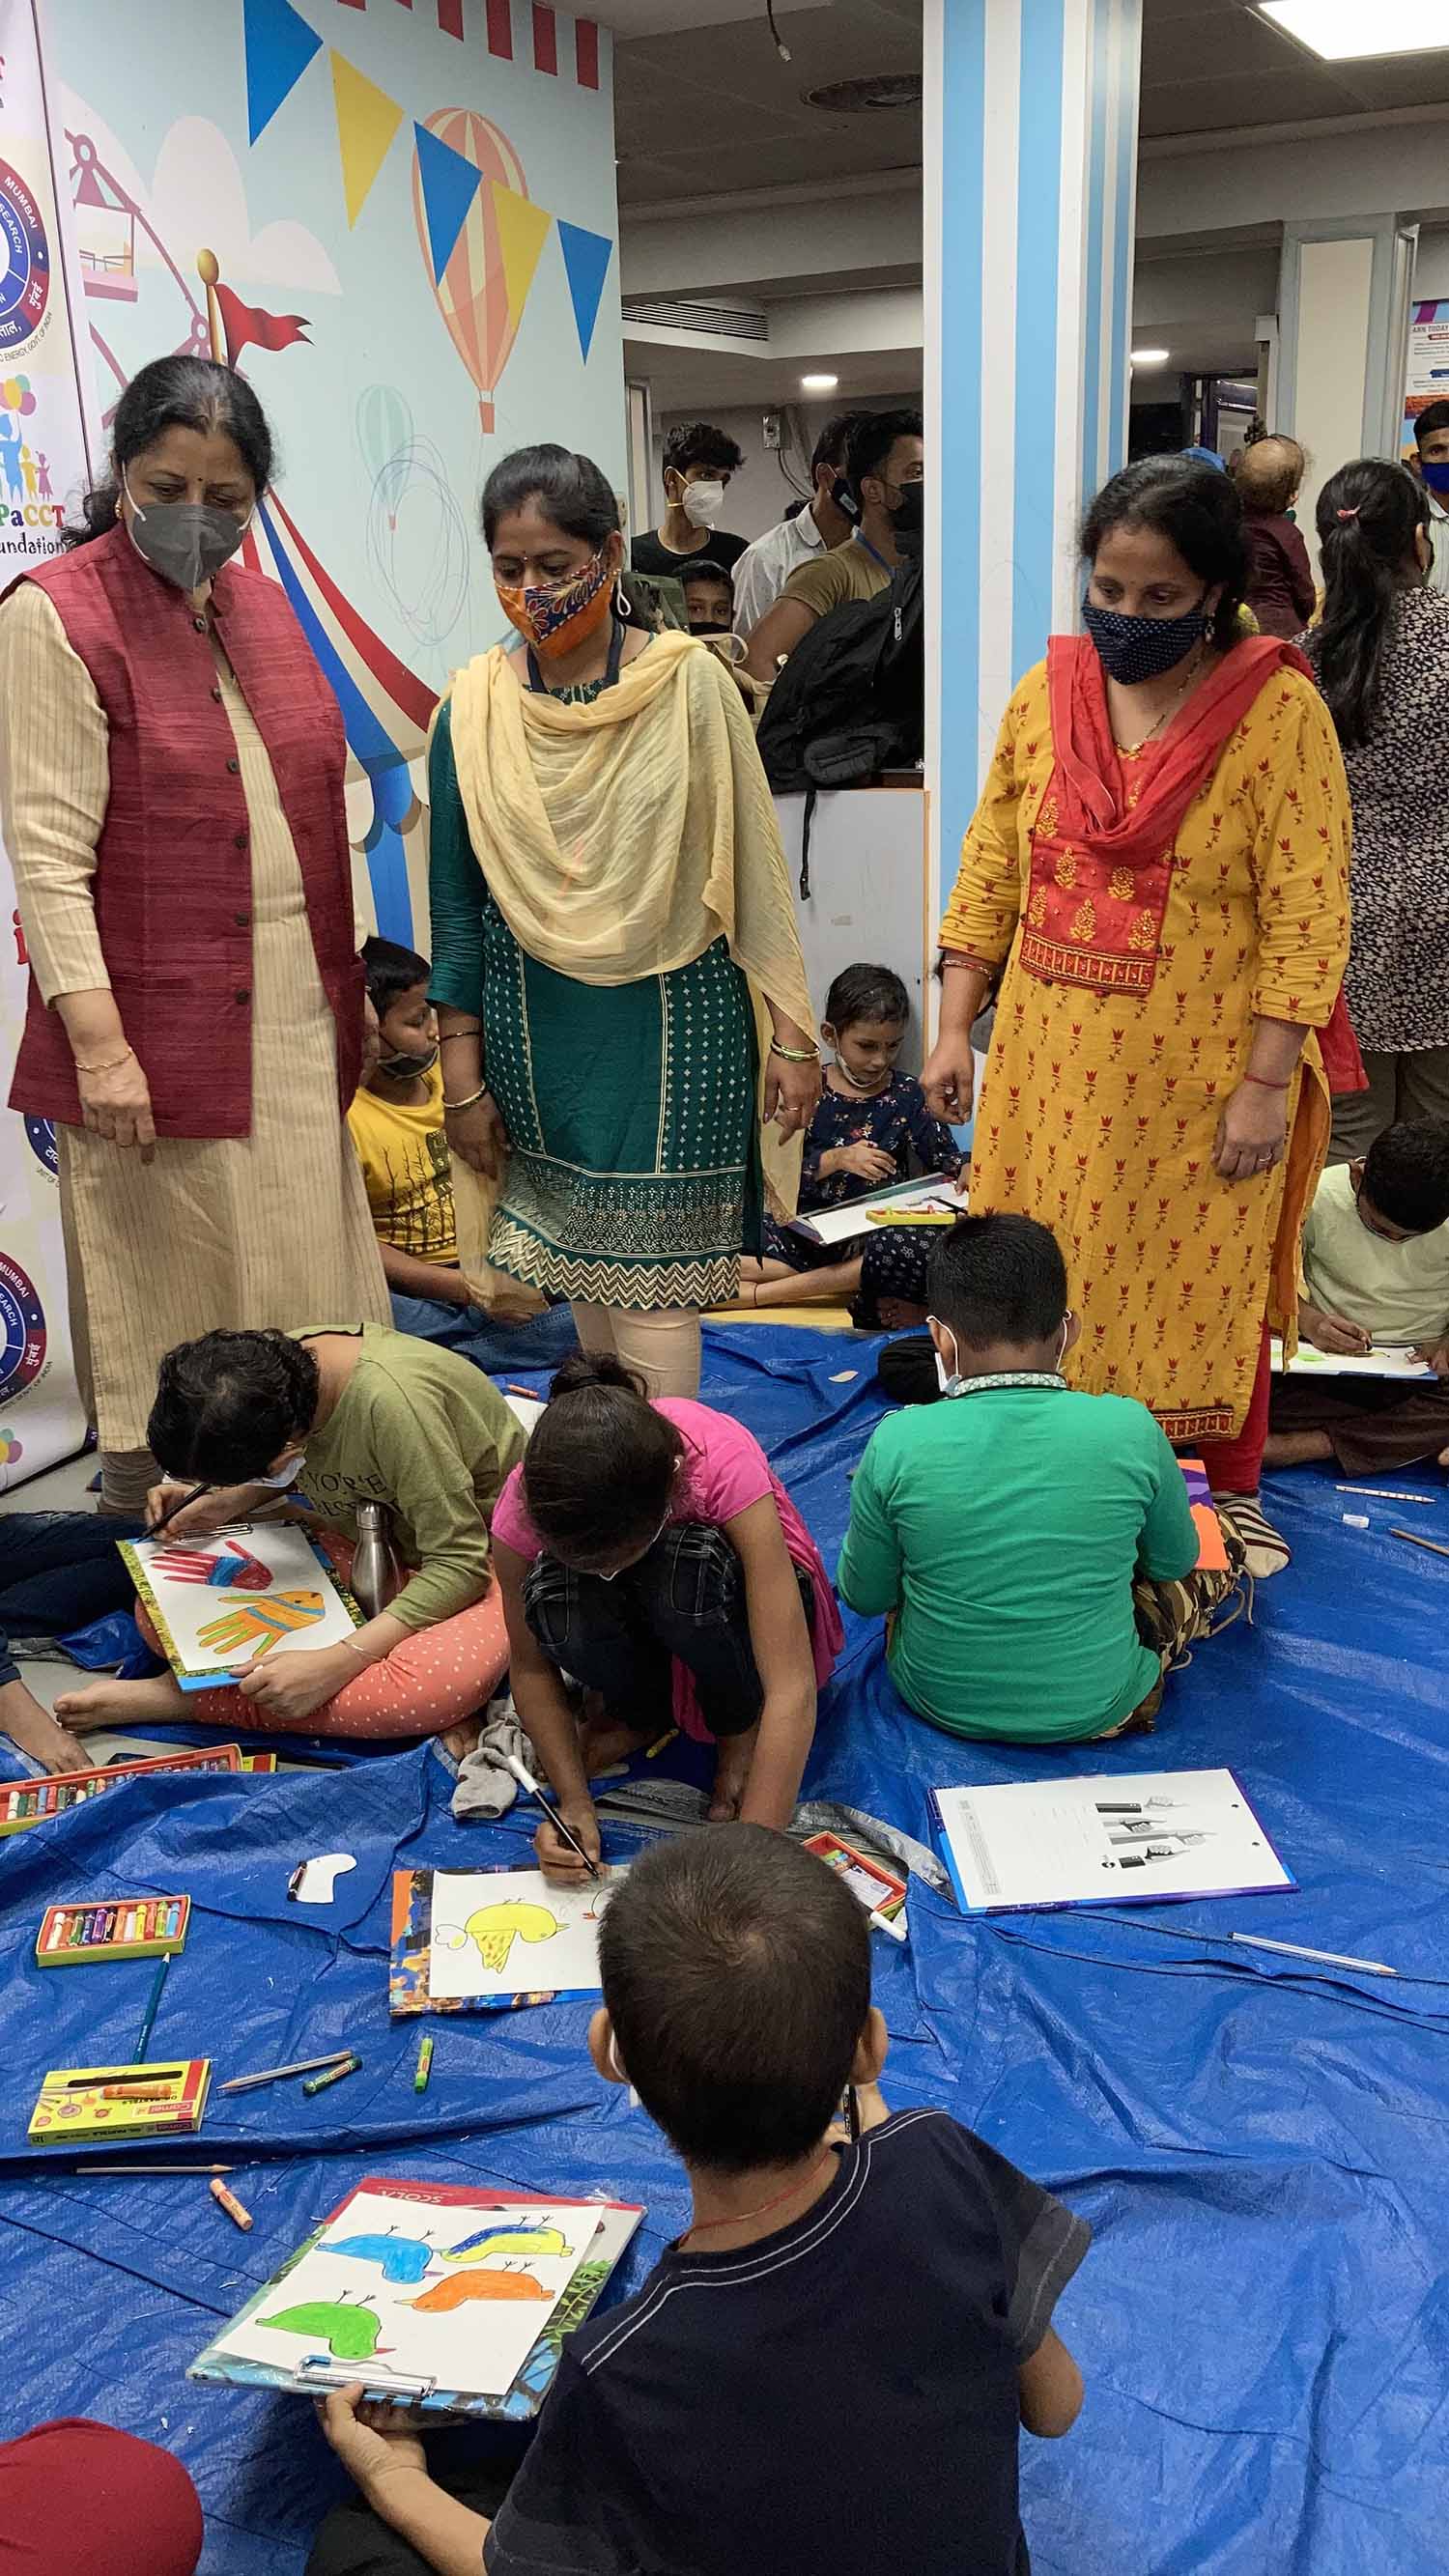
(1265, 1085)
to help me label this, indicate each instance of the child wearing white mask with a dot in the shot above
(1001, 1531)
(699, 461)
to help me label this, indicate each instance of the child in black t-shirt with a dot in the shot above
(831, 2365)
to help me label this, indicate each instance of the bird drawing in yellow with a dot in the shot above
(495, 1928)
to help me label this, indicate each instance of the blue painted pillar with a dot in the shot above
(1030, 190)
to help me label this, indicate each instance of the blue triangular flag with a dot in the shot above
(279, 46)
(586, 259)
(450, 184)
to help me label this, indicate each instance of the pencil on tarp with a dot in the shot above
(333, 2075)
(152, 2001)
(1414, 1540)
(424, 2066)
(274, 2074)
(203, 2170)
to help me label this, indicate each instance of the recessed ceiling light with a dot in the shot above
(1150, 357)
(818, 384)
(1342, 31)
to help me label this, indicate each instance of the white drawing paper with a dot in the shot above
(525, 1410)
(403, 2289)
(509, 1932)
(1114, 1838)
(844, 1224)
(1392, 1361)
(254, 1588)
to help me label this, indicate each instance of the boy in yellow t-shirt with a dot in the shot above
(397, 1126)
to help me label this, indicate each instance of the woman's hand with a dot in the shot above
(476, 1135)
(116, 1104)
(290, 1686)
(372, 2442)
(948, 1079)
(1252, 1132)
(792, 1093)
(556, 1858)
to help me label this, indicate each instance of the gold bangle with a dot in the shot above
(795, 1055)
(109, 1065)
(461, 1033)
(467, 1103)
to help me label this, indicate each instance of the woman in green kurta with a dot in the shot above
(614, 943)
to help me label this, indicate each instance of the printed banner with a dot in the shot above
(42, 465)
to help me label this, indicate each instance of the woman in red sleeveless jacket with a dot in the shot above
(171, 767)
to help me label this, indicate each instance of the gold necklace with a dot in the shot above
(1128, 749)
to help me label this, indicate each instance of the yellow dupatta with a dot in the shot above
(621, 839)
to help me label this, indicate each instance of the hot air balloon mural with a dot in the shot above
(472, 292)
(384, 431)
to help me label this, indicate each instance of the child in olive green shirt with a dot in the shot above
(339, 1416)
(1001, 1531)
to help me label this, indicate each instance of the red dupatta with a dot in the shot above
(1102, 844)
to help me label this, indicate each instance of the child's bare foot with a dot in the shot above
(732, 1770)
(605, 1741)
(34, 1731)
(117, 1703)
(462, 1739)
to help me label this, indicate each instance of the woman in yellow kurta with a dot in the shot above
(1156, 877)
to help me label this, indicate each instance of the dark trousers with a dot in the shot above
(684, 1599)
(59, 1570)
(1374, 1424)
(354, 2541)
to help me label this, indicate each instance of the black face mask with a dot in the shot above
(403, 1068)
(909, 517)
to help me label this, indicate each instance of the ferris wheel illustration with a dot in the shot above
(386, 708)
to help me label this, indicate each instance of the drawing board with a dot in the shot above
(499, 1933)
(440, 2293)
(1113, 1838)
(1389, 1362)
(876, 1207)
(256, 1588)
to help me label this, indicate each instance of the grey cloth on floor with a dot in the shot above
(485, 1787)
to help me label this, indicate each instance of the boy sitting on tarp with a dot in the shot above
(829, 2367)
(1375, 1272)
(1001, 1532)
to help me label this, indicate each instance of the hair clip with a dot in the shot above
(1348, 514)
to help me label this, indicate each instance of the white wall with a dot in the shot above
(1431, 268)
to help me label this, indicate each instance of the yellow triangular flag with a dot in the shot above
(367, 120)
(522, 232)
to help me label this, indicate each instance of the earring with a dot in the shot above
(623, 607)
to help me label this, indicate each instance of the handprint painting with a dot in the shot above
(505, 1932)
(219, 1603)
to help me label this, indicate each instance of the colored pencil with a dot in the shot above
(1414, 1540)
(334, 2075)
(150, 2169)
(153, 2000)
(1384, 1494)
(274, 2074)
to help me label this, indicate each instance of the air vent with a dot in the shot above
(723, 321)
(867, 97)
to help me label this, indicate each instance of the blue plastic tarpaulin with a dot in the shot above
(1260, 2145)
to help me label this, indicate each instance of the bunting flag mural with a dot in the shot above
(367, 120)
(522, 232)
(586, 258)
(279, 46)
(481, 233)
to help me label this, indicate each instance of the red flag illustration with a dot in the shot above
(248, 324)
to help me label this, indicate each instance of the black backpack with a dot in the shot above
(850, 701)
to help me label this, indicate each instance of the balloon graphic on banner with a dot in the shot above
(472, 288)
(384, 431)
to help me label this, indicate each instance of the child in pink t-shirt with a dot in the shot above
(648, 1551)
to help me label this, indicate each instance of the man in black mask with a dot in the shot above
(884, 474)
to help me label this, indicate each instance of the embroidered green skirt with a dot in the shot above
(634, 1176)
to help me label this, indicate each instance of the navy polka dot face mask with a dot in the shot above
(1142, 648)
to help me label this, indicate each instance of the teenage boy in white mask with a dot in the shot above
(1001, 1532)
(698, 463)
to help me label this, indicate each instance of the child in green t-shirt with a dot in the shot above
(1001, 1532)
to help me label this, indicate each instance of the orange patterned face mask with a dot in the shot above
(558, 616)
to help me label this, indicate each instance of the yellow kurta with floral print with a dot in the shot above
(1100, 1107)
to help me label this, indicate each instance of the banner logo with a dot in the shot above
(25, 281)
(22, 1331)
